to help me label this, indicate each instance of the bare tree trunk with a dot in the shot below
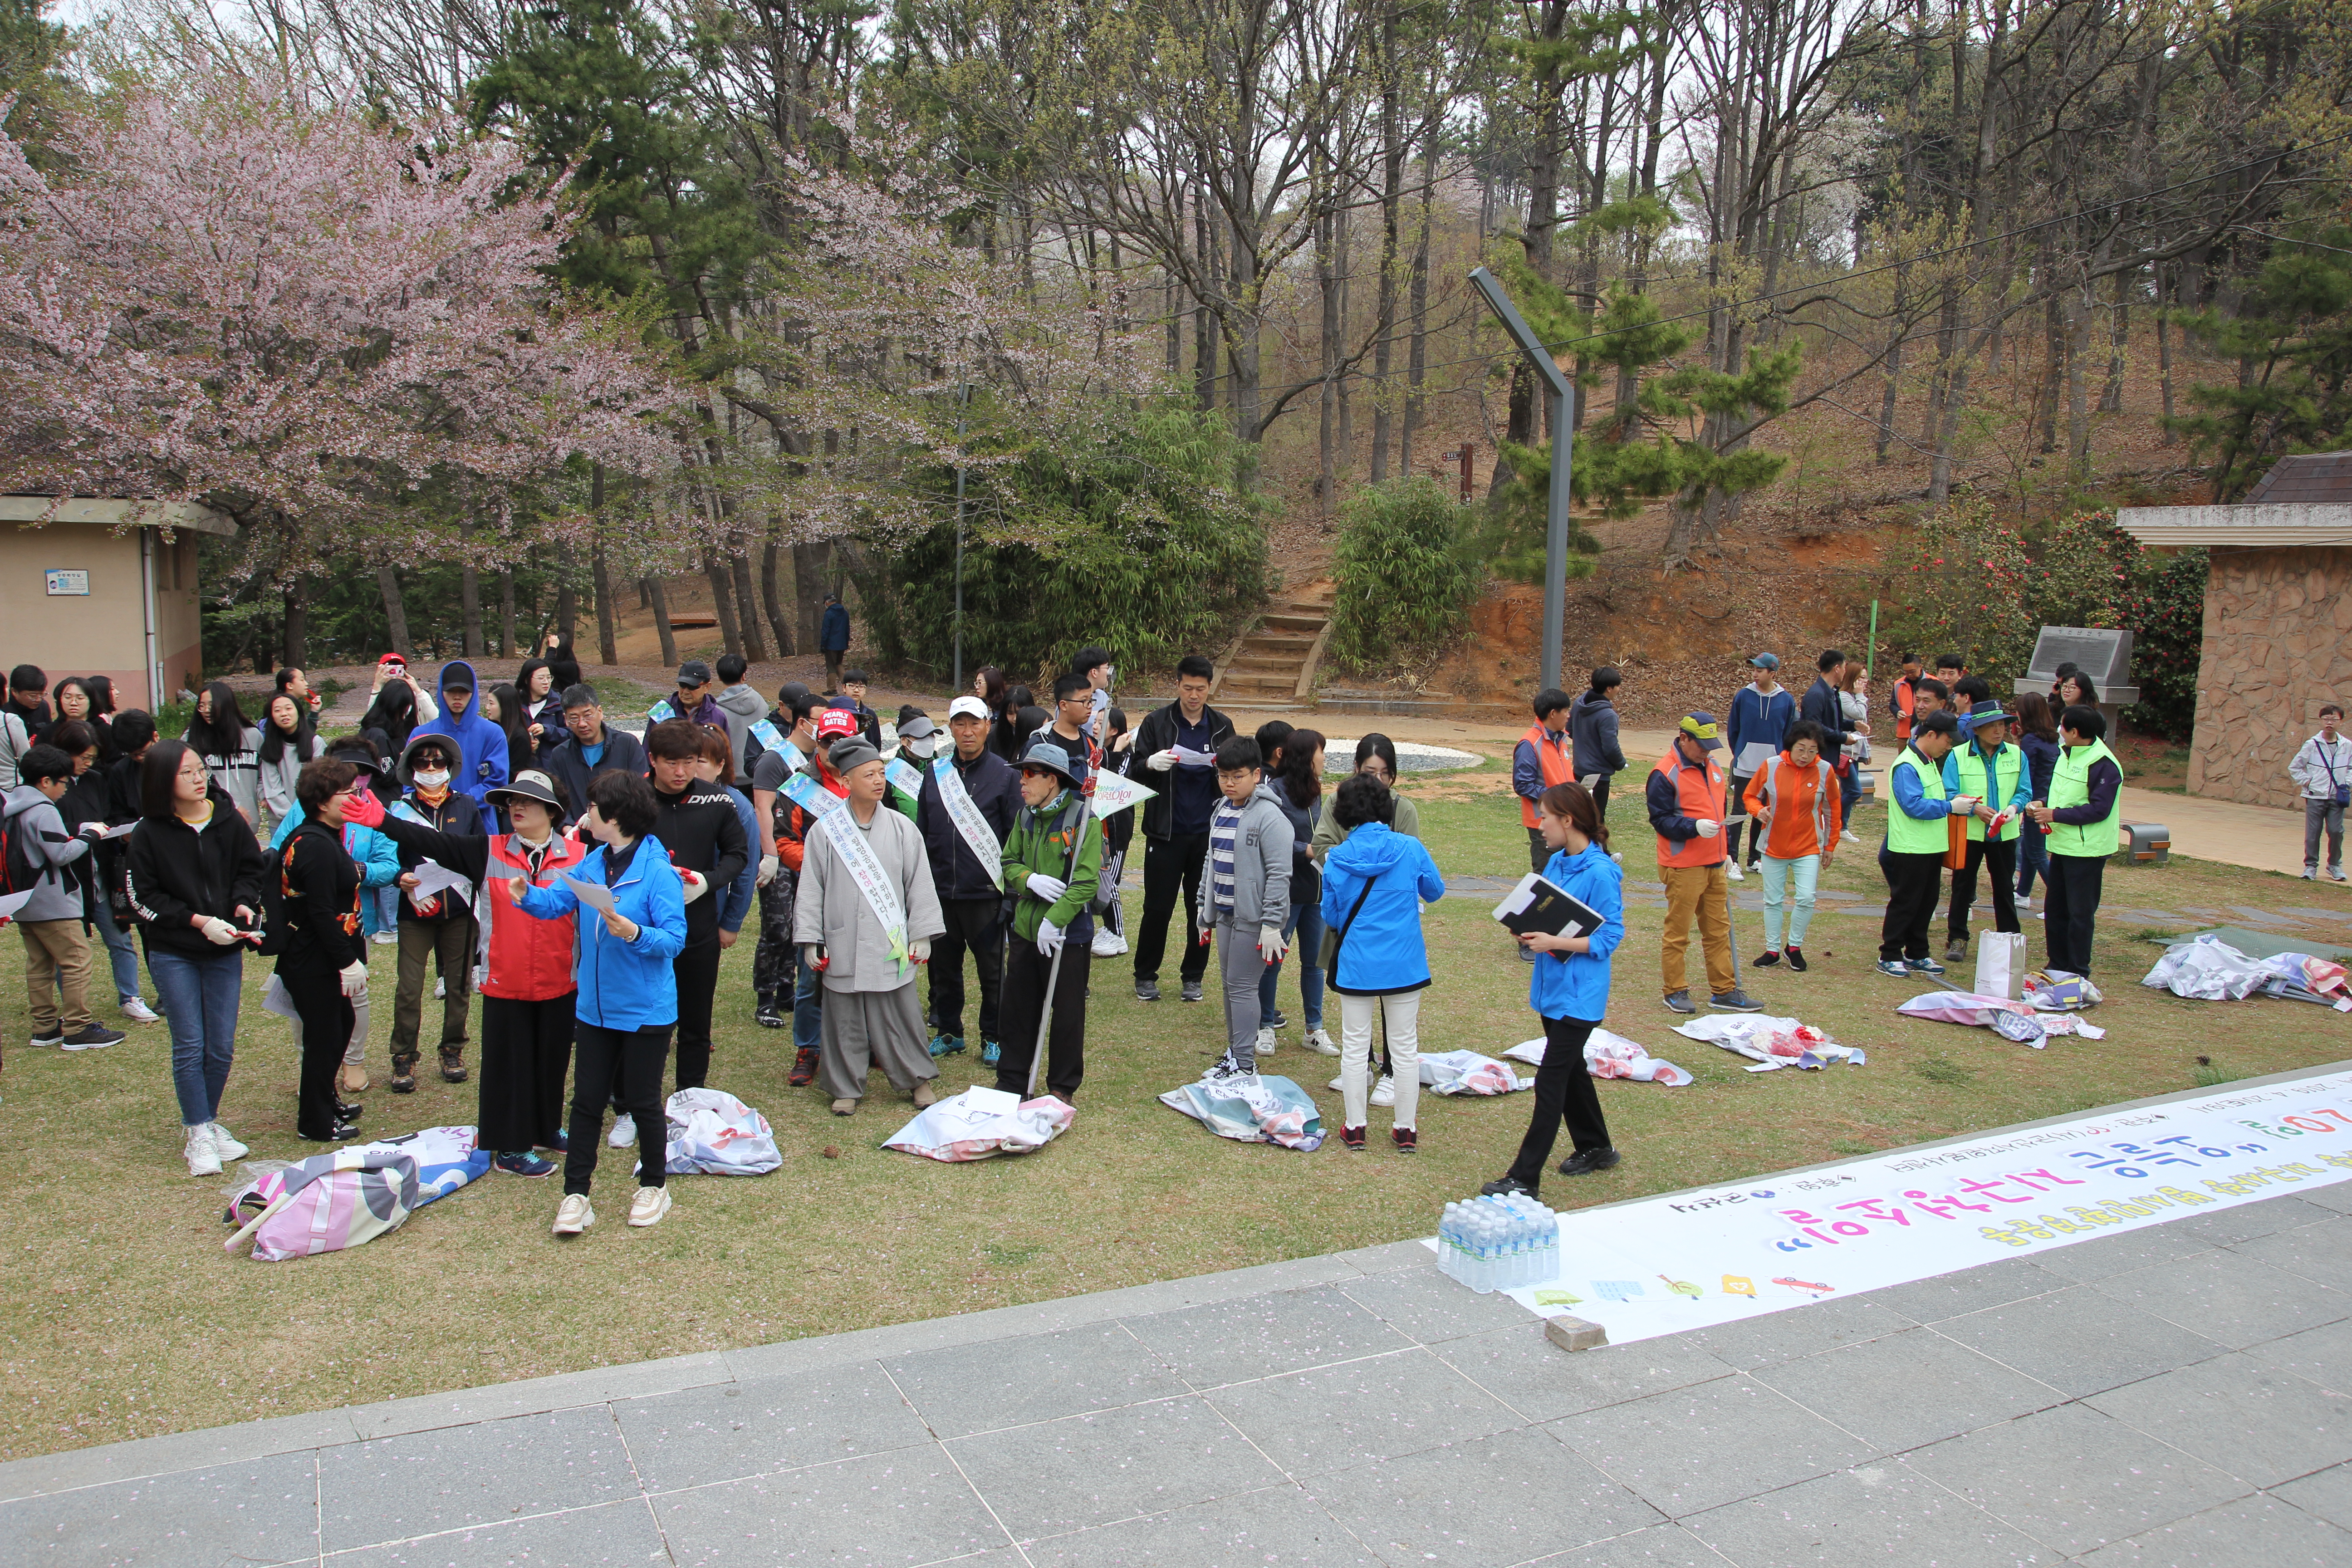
(567, 600)
(1345, 258)
(1205, 329)
(507, 611)
(2111, 396)
(722, 599)
(2053, 362)
(747, 609)
(658, 597)
(1384, 296)
(469, 597)
(608, 619)
(2164, 350)
(771, 597)
(810, 563)
(1417, 356)
(395, 612)
(1327, 287)
(2078, 397)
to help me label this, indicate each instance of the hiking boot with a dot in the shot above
(945, 1045)
(1895, 967)
(1584, 1162)
(1768, 958)
(573, 1216)
(202, 1160)
(1924, 966)
(1353, 1137)
(845, 1108)
(1147, 989)
(1508, 1187)
(926, 1094)
(224, 1146)
(770, 1017)
(990, 1053)
(648, 1207)
(803, 1067)
(1320, 1043)
(1735, 1001)
(1679, 1002)
(404, 1073)
(624, 1131)
(453, 1064)
(1192, 990)
(524, 1164)
(92, 1038)
(1956, 950)
(1405, 1139)
(1797, 958)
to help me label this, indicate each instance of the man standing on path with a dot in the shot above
(1592, 737)
(1545, 756)
(1685, 803)
(970, 800)
(833, 639)
(2321, 770)
(1176, 821)
(1761, 713)
(2086, 805)
(1912, 858)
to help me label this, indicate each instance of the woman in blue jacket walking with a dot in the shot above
(1569, 990)
(1373, 885)
(627, 1000)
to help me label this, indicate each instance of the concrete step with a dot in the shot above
(1306, 621)
(1286, 642)
(1244, 685)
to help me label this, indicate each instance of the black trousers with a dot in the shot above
(1736, 803)
(1600, 791)
(976, 926)
(526, 1051)
(1170, 864)
(2000, 855)
(1026, 970)
(1914, 884)
(1539, 852)
(624, 1065)
(1564, 1093)
(326, 1014)
(2072, 906)
(696, 968)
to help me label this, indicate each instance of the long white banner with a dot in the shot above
(1695, 1258)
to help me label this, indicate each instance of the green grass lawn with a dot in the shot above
(121, 1317)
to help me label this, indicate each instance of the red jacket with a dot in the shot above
(529, 960)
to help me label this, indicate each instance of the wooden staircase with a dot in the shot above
(1272, 665)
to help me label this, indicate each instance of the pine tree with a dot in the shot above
(2291, 337)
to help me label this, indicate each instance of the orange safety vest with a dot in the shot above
(1904, 707)
(1804, 807)
(1556, 758)
(529, 960)
(1700, 792)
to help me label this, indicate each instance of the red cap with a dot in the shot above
(835, 722)
(391, 658)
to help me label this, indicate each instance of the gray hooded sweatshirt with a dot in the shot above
(57, 894)
(743, 707)
(1261, 863)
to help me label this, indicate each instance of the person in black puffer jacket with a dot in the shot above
(324, 963)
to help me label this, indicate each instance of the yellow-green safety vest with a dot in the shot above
(2070, 785)
(1905, 834)
(2007, 763)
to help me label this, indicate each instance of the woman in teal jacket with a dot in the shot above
(1374, 882)
(1569, 990)
(627, 1001)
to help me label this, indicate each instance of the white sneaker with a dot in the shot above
(1338, 1083)
(1384, 1092)
(624, 1131)
(573, 1216)
(1107, 942)
(1320, 1044)
(225, 1144)
(1851, 836)
(384, 938)
(1737, 875)
(441, 990)
(202, 1160)
(1265, 1042)
(138, 1012)
(649, 1205)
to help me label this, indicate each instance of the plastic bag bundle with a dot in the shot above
(2204, 969)
(1771, 1043)
(446, 1159)
(2046, 992)
(2301, 977)
(1608, 1055)
(713, 1132)
(981, 1124)
(1467, 1072)
(1278, 1112)
(325, 1203)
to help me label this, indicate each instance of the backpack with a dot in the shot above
(21, 867)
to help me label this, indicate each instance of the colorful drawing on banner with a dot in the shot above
(1818, 1290)
(1552, 1298)
(1617, 1289)
(1739, 1285)
(1683, 1288)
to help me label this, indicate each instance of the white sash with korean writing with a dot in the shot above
(964, 812)
(865, 867)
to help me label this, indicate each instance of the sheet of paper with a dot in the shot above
(595, 895)
(1186, 757)
(433, 878)
(118, 832)
(11, 903)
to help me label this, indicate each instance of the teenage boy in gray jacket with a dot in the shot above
(50, 863)
(1245, 900)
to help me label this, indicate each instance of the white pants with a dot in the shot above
(1356, 1014)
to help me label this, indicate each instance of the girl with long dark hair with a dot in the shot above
(2037, 737)
(323, 965)
(287, 742)
(230, 747)
(503, 705)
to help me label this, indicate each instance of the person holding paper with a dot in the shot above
(1545, 756)
(436, 921)
(1052, 856)
(970, 797)
(323, 963)
(52, 866)
(865, 919)
(91, 799)
(2085, 806)
(1987, 769)
(1246, 906)
(696, 823)
(1686, 800)
(1795, 802)
(1569, 992)
(1592, 736)
(194, 875)
(627, 906)
(775, 959)
(1912, 858)
(1374, 881)
(1761, 713)
(1176, 822)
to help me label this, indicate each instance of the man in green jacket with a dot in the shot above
(1053, 859)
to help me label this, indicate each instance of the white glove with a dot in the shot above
(218, 932)
(813, 955)
(1270, 944)
(1049, 938)
(1708, 828)
(354, 976)
(697, 884)
(1046, 887)
(1160, 762)
(919, 949)
(768, 864)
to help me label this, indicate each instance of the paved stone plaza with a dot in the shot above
(2176, 1396)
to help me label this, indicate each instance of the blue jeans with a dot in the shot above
(808, 1009)
(1306, 924)
(2032, 858)
(199, 998)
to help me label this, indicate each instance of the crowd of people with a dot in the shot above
(952, 892)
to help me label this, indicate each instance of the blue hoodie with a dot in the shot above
(482, 743)
(1382, 951)
(623, 985)
(1576, 984)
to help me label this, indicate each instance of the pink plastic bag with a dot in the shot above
(325, 1204)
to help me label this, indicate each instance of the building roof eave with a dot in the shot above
(2272, 526)
(117, 512)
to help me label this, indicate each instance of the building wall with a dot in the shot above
(104, 634)
(2278, 643)
(179, 622)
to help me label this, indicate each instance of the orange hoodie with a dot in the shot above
(1807, 803)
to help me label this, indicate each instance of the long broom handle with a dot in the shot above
(1054, 971)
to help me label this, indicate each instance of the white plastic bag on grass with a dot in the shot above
(1467, 1072)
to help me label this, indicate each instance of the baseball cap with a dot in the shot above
(1700, 727)
(966, 708)
(1765, 661)
(835, 722)
(693, 672)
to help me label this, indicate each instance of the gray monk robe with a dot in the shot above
(872, 1016)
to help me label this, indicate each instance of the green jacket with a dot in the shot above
(1038, 844)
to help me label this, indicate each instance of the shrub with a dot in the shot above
(1405, 576)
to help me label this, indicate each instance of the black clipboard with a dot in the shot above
(1537, 904)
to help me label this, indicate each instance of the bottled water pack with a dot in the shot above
(1499, 1243)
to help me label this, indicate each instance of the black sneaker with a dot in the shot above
(1735, 1001)
(1679, 1002)
(1508, 1187)
(770, 1017)
(1274, 1021)
(1584, 1162)
(1192, 990)
(1956, 950)
(1797, 958)
(90, 1037)
(1147, 989)
(1768, 958)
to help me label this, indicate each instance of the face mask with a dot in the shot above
(432, 778)
(920, 747)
